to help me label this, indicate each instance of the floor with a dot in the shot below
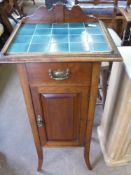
(17, 150)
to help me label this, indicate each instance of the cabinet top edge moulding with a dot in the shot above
(65, 15)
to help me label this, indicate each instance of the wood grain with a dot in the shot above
(38, 73)
(43, 15)
(91, 110)
(64, 113)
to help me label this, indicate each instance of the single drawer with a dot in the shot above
(59, 73)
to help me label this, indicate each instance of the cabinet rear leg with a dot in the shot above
(40, 163)
(86, 156)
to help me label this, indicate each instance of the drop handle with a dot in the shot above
(59, 74)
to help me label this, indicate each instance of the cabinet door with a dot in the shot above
(64, 112)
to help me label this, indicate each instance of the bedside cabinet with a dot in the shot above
(58, 56)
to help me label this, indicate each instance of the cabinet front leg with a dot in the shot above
(40, 159)
(28, 100)
(87, 156)
(91, 111)
(87, 144)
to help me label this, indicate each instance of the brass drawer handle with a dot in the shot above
(59, 74)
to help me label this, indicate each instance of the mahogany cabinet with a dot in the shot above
(61, 112)
(60, 84)
(61, 106)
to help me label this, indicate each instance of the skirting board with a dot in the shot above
(108, 160)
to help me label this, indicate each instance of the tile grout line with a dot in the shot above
(50, 37)
(87, 34)
(68, 38)
(31, 39)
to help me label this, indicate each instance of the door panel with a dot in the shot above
(64, 111)
(61, 116)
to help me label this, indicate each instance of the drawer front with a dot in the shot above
(59, 73)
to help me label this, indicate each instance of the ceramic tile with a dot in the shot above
(62, 47)
(92, 30)
(60, 31)
(92, 25)
(59, 38)
(22, 39)
(42, 32)
(79, 47)
(77, 31)
(99, 47)
(28, 26)
(40, 39)
(24, 31)
(97, 38)
(18, 48)
(38, 48)
(58, 25)
(76, 25)
(44, 26)
(78, 38)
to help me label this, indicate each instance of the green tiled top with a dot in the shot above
(59, 37)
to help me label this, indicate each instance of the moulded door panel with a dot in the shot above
(61, 113)
(64, 111)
